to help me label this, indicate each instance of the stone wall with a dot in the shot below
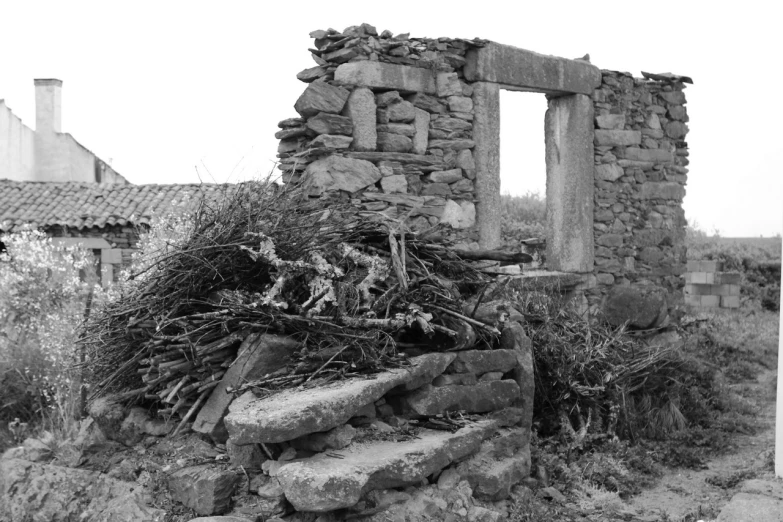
(387, 121)
(641, 163)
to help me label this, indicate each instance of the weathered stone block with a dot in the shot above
(609, 172)
(610, 121)
(338, 173)
(662, 190)
(640, 306)
(362, 111)
(483, 397)
(387, 76)
(457, 144)
(617, 138)
(649, 155)
(436, 189)
(460, 104)
(395, 184)
(337, 438)
(332, 141)
(403, 129)
(447, 84)
(427, 103)
(673, 97)
(321, 97)
(515, 67)
(394, 142)
(205, 489)
(460, 215)
(402, 112)
(325, 123)
(478, 362)
(248, 456)
(421, 125)
(444, 176)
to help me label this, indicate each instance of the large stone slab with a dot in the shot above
(526, 70)
(43, 493)
(480, 398)
(323, 483)
(387, 76)
(258, 355)
(617, 138)
(361, 109)
(338, 173)
(293, 413)
(486, 133)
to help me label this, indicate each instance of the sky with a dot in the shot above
(189, 92)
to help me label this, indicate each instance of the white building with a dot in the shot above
(47, 153)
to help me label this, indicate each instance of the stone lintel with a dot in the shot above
(521, 69)
(387, 76)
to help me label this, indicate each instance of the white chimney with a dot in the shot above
(48, 105)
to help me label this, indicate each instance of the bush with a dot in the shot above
(45, 290)
(523, 217)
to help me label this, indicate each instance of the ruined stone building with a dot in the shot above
(410, 127)
(47, 153)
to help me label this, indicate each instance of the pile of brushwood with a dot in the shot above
(355, 288)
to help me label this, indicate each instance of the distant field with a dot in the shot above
(771, 245)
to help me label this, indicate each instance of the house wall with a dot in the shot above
(17, 147)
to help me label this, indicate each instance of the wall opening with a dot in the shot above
(523, 172)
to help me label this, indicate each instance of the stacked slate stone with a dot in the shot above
(386, 121)
(641, 170)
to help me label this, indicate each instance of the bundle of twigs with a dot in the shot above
(351, 287)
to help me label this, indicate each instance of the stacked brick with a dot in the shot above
(386, 122)
(707, 286)
(641, 163)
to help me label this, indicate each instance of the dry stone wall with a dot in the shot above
(641, 159)
(386, 121)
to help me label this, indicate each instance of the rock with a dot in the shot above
(338, 173)
(449, 479)
(421, 124)
(457, 144)
(312, 74)
(427, 103)
(676, 130)
(337, 438)
(444, 176)
(258, 355)
(394, 184)
(394, 142)
(361, 109)
(500, 464)
(609, 172)
(610, 121)
(438, 189)
(403, 111)
(481, 514)
(321, 97)
(448, 379)
(221, 519)
(451, 124)
(479, 362)
(324, 123)
(491, 376)
(656, 156)
(460, 104)
(673, 97)
(385, 99)
(462, 186)
(640, 306)
(30, 491)
(205, 489)
(293, 413)
(404, 129)
(249, 456)
(514, 338)
(137, 424)
(448, 84)
(662, 190)
(323, 484)
(291, 122)
(553, 494)
(332, 141)
(747, 507)
(108, 414)
(289, 134)
(459, 215)
(617, 138)
(386, 76)
(480, 398)
(495, 313)
(466, 162)
(36, 451)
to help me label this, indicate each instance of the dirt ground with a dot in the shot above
(700, 494)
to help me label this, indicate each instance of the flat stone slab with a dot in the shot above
(480, 398)
(293, 413)
(324, 483)
(527, 70)
(387, 76)
(747, 507)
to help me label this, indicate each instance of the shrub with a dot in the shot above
(45, 290)
(523, 217)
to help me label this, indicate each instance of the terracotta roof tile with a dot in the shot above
(81, 205)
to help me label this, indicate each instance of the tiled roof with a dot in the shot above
(81, 205)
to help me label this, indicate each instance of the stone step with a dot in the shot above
(325, 483)
(293, 413)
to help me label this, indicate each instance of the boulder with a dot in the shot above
(42, 492)
(205, 489)
(322, 483)
(293, 413)
(339, 173)
(640, 306)
(321, 97)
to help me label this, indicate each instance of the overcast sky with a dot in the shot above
(177, 92)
